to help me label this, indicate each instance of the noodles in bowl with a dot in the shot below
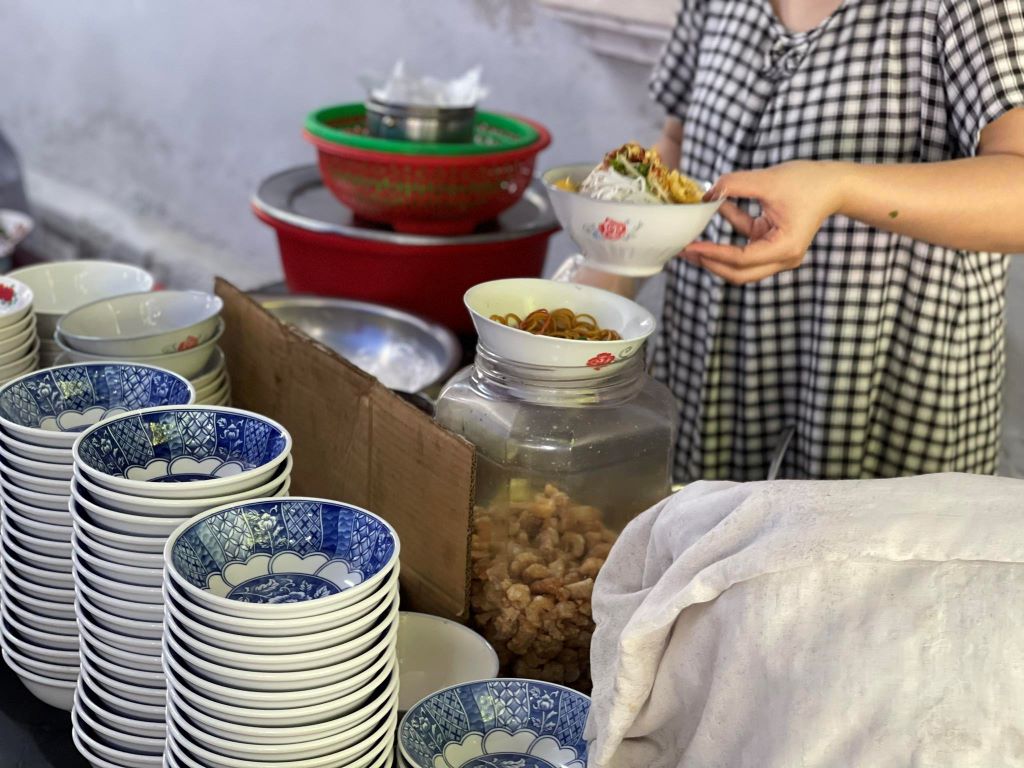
(632, 174)
(560, 323)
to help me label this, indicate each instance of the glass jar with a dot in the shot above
(565, 458)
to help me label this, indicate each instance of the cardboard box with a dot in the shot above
(358, 442)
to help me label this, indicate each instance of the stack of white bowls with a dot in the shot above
(60, 287)
(280, 632)
(19, 340)
(137, 477)
(41, 415)
(176, 330)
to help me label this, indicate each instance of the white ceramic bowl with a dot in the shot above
(56, 693)
(39, 637)
(215, 368)
(33, 498)
(355, 653)
(141, 662)
(136, 595)
(103, 755)
(149, 724)
(343, 746)
(141, 630)
(41, 668)
(207, 470)
(237, 688)
(272, 736)
(88, 625)
(187, 362)
(37, 538)
(45, 470)
(11, 329)
(150, 681)
(363, 754)
(625, 238)
(39, 568)
(39, 583)
(126, 542)
(24, 339)
(220, 397)
(62, 632)
(126, 503)
(29, 526)
(36, 452)
(16, 356)
(299, 651)
(524, 295)
(33, 512)
(306, 634)
(16, 298)
(45, 609)
(22, 365)
(116, 605)
(113, 736)
(435, 653)
(91, 698)
(59, 287)
(131, 558)
(142, 324)
(37, 484)
(133, 575)
(34, 650)
(213, 387)
(344, 696)
(144, 702)
(121, 522)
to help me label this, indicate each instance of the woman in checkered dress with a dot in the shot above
(872, 154)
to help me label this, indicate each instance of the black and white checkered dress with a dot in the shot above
(886, 353)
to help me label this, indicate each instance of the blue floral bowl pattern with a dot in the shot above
(182, 445)
(282, 551)
(70, 398)
(502, 723)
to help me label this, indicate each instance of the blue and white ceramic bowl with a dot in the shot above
(183, 452)
(497, 723)
(285, 557)
(50, 407)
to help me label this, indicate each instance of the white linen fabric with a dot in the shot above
(803, 624)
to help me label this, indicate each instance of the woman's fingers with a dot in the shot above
(772, 248)
(744, 275)
(741, 221)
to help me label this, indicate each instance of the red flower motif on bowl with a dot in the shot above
(611, 229)
(597, 362)
(6, 293)
(188, 343)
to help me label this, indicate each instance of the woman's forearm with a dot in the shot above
(974, 204)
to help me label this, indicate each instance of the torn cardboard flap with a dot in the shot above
(356, 441)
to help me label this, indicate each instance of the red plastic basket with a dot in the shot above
(427, 280)
(428, 194)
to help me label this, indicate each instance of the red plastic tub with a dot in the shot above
(325, 251)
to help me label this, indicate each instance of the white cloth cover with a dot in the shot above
(801, 624)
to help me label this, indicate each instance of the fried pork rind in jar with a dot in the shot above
(534, 565)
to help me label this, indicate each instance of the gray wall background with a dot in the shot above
(149, 123)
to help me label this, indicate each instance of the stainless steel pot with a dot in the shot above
(409, 122)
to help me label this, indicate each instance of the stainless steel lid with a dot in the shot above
(404, 352)
(298, 197)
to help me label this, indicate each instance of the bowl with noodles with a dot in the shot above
(629, 214)
(558, 325)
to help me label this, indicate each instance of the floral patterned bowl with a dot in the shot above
(521, 296)
(625, 238)
(50, 407)
(183, 452)
(500, 723)
(281, 558)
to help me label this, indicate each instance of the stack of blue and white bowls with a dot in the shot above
(279, 645)
(136, 478)
(41, 416)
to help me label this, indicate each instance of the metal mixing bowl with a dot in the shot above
(409, 122)
(404, 352)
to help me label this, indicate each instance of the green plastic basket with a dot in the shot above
(346, 124)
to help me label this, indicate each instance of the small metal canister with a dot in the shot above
(409, 122)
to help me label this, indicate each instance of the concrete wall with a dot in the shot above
(174, 111)
(146, 124)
